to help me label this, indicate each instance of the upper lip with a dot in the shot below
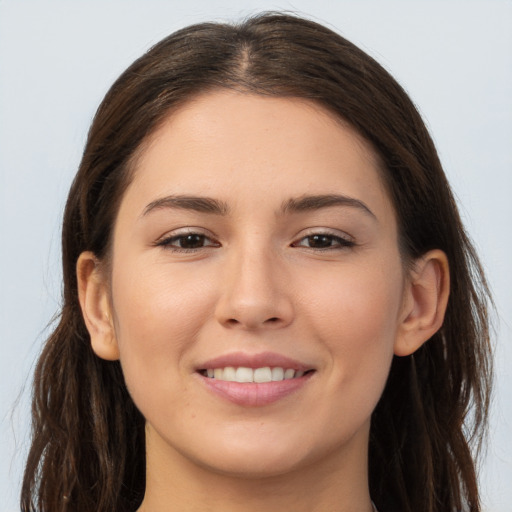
(261, 360)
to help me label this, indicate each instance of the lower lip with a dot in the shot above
(252, 394)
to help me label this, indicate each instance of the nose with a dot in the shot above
(255, 292)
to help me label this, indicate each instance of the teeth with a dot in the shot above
(263, 375)
(289, 374)
(243, 375)
(277, 374)
(260, 375)
(229, 373)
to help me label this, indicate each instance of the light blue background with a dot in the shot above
(57, 60)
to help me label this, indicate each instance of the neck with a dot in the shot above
(337, 483)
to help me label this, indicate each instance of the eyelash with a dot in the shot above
(167, 242)
(337, 242)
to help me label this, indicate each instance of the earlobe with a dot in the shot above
(93, 294)
(425, 301)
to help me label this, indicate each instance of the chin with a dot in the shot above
(260, 456)
(258, 467)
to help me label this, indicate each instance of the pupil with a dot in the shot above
(192, 241)
(319, 241)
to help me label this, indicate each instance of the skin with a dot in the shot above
(255, 283)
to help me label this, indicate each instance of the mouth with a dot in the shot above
(254, 380)
(244, 374)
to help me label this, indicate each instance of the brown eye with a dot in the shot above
(187, 242)
(320, 241)
(324, 241)
(192, 241)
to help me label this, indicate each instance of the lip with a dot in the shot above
(254, 394)
(260, 360)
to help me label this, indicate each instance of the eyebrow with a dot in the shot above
(209, 205)
(316, 202)
(198, 204)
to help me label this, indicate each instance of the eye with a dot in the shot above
(186, 242)
(324, 241)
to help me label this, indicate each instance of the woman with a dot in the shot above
(270, 301)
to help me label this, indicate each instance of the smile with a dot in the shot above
(254, 380)
(259, 375)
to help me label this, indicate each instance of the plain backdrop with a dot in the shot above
(57, 60)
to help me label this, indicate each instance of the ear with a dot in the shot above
(93, 294)
(425, 300)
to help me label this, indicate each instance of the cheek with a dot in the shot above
(156, 305)
(158, 317)
(357, 320)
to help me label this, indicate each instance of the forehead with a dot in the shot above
(243, 147)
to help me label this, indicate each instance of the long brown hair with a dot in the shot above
(88, 453)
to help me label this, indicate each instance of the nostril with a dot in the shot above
(252, 318)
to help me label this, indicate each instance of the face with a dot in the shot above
(256, 243)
